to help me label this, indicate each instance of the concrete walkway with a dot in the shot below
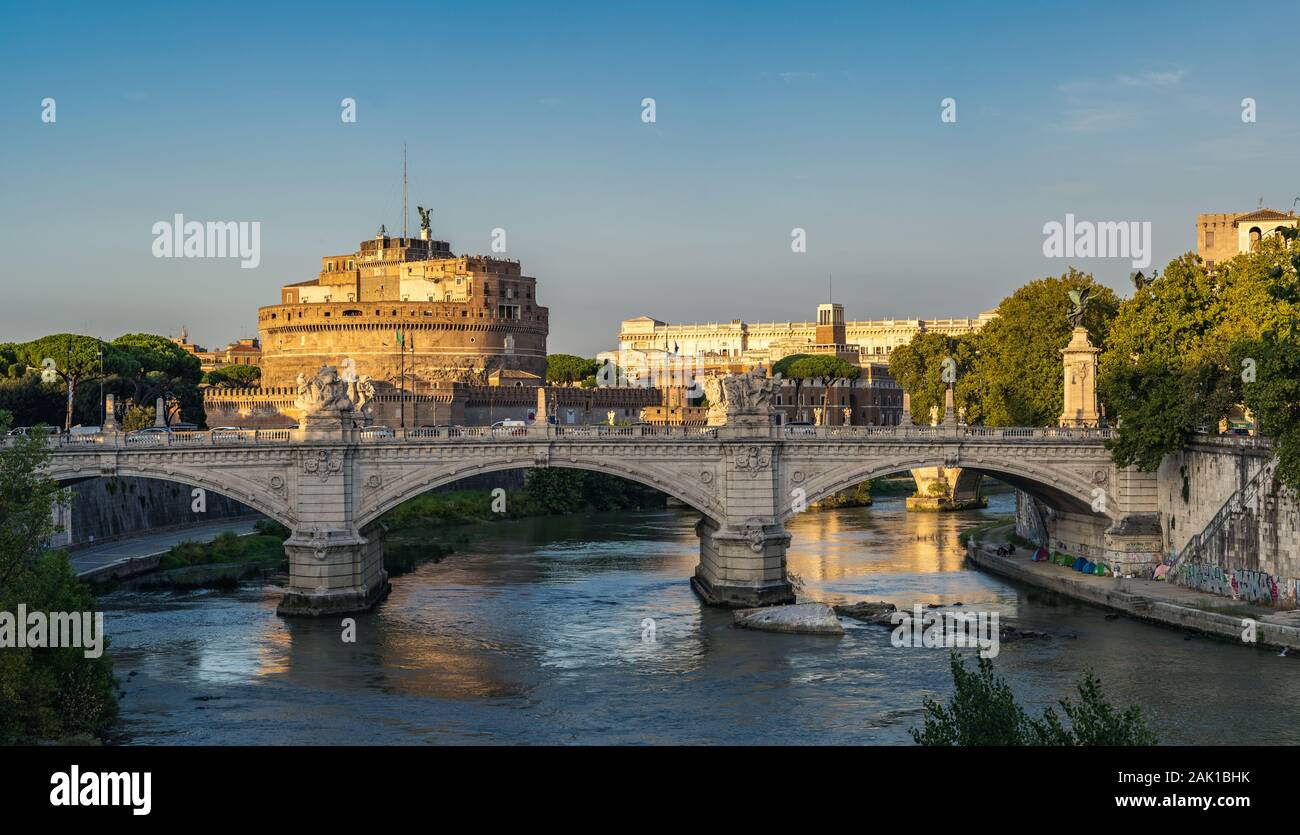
(117, 556)
(1151, 600)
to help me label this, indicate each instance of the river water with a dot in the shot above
(532, 632)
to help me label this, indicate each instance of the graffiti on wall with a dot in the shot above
(1239, 583)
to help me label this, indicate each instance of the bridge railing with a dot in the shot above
(550, 432)
(543, 432)
(1003, 433)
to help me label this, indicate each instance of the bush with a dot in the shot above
(138, 417)
(270, 527)
(983, 711)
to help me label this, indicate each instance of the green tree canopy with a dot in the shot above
(1168, 368)
(820, 366)
(782, 366)
(1016, 372)
(75, 359)
(236, 376)
(152, 366)
(918, 367)
(566, 368)
(1269, 365)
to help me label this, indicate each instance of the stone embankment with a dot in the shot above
(1155, 601)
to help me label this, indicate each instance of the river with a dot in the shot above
(532, 632)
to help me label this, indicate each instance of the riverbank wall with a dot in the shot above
(1224, 526)
(1148, 600)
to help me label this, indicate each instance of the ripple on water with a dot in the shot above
(532, 632)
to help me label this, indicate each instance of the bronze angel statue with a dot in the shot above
(1080, 299)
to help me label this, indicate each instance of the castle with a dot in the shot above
(407, 311)
(429, 329)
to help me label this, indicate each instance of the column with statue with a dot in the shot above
(1080, 362)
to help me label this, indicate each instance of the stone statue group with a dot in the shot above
(327, 392)
(741, 398)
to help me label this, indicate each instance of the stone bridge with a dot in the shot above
(331, 487)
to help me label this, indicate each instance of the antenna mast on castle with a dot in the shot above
(403, 189)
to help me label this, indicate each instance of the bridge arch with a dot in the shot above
(422, 480)
(1056, 488)
(236, 488)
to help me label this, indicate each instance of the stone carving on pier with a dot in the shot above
(361, 392)
(323, 394)
(744, 399)
(754, 460)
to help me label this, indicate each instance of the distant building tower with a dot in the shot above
(1220, 237)
(830, 325)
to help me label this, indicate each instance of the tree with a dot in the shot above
(45, 693)
(1168, 369)
(236, 376)
(782, 366)
(148, 366)
(1270, 365)
(918, 368)
(76, 360)
(983, 711)
(566, 368)
(821, 367)
(138, 417)
(30, 401)
(1016, 371)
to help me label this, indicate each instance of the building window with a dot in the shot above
(1209, 238)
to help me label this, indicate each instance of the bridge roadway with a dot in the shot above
(331, 487)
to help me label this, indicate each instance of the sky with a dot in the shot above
(768, 117)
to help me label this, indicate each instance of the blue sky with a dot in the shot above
(528, 118)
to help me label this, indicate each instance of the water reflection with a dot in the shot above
(532, 633)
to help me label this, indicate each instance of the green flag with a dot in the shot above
(399, 336)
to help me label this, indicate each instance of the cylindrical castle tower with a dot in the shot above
(406, 312)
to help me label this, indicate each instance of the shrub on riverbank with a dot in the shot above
(983, 711)
(264, 550)
(547, 492)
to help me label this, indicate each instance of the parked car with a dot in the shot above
(378, 432)
(151, 430)
(34, 430)
(227, 433)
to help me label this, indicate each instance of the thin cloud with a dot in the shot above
(1094, 119)
(1153, 80)
(794, 76)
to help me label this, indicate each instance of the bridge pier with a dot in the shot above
(334, 571)
(945, 489)
(742, 567)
